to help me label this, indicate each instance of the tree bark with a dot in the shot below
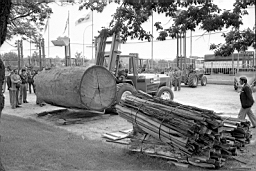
(5, 7)
(91, 87)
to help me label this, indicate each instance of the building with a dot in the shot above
(225, 64)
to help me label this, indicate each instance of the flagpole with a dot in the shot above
(69, 47)
(48, 37)
(68, 23)
(152, 50)
(92, 34)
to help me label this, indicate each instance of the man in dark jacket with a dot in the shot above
(247, 102)
(23, 87)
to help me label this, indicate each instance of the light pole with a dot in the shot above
(83, 37)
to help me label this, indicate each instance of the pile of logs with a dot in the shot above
(183, 133)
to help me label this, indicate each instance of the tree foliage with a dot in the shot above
(28, 19)
(10, 56)
(78, 55)
(236, 39)
(187, 15)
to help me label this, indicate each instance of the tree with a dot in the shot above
(5, 9)
(78, 55)
(187, 15)
(10, 56)
(236, 39)
(28, 19)
(23, 18)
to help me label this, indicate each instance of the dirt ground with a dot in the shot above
(76, 143)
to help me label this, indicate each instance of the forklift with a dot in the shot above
(127, 78)
(191, 76)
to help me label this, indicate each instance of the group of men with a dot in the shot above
(18, 84)
(175, 76)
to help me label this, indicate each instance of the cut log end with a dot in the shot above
(97, 89)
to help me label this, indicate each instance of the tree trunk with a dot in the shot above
(5, 7)
(92, 87)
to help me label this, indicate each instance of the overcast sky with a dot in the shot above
(83, 33)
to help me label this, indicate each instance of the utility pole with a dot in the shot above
(21, 54)
(254, 61)
(43, 51)
(40, 58)
(18, 46)
(152, 43)
(30, 57)
(184, 50)
(177, 59)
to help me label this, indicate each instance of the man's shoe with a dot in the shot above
(18, 106)
(253, 127)
(25, 101)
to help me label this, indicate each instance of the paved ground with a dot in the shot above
(34, 143)
(221, 79)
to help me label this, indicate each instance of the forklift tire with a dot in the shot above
(165, 93)
(192, 80)
(203, 80)
(122, 90)
(186, 80)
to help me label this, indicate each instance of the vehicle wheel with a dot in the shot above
(124, 89)
(203, 81)
(186, 80)
(165, 93)
(192, 80)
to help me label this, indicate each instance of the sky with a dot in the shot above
(81, 35)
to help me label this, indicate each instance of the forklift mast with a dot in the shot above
(100, 52)
(114, 56)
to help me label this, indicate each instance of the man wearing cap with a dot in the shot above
(177, 79)
(247, 102)
(15, 86)
(23, 88)
(171, 72)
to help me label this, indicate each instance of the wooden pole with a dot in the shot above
(177, 58)
(21, 54)
(92, 34)
(238, 62)
(181, 50)
(152, 43)
(185, 44)
(43, 52)
(18, 45)
(40, 57)
(233, 63)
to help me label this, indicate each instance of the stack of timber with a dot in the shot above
(182, 133)
(90, 87)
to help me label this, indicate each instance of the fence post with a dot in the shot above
(211, 67)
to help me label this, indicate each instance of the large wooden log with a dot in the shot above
(91, 87)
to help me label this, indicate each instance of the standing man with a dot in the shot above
(30, 81)
(177, 79)
(247, 102)
(23, 87)
(16, 81)
(171, 73)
